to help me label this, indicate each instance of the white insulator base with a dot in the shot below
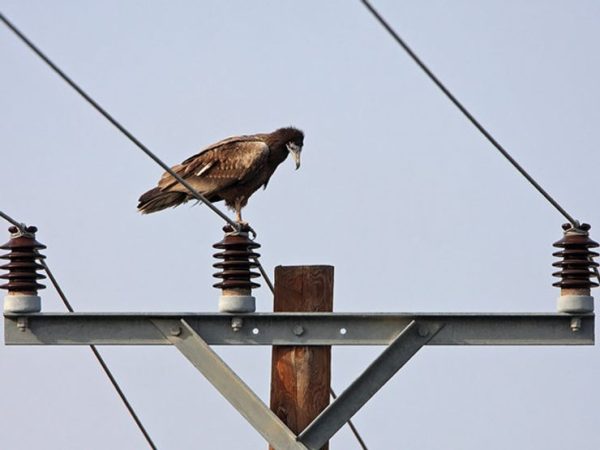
(22, 303)
(575, 304)
(237, 304)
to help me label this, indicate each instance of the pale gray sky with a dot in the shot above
(416, 211)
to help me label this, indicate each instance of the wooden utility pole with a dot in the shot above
(301, 376)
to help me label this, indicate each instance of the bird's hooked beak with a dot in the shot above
(295, 150)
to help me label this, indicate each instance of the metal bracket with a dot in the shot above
(225, 380)
(410, 340)
(405, 346)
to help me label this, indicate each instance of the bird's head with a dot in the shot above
(293, 140)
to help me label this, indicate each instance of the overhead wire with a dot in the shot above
(102, 363)
(354, 430)
(471, 118)
(6, 217)
(113, 121)
(265, 276)
(595, 269)
(467, 114)
(21, 226)
(575, 223)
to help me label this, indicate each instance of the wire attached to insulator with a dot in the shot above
(17, 301)
(467, 114)
(193, 192)
(577, 267)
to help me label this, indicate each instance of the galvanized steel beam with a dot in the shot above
(198, 352)
(298, 328)
(402, 348)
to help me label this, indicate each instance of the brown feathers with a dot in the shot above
(155, 200)
(231, 170)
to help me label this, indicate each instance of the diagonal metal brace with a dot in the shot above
(403, 347)
(224, 379)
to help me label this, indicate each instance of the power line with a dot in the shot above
(11, 220)
(265, 276)
(120, 127)
(95, 351)
(352, 427)
(595, 269)
(467, 114)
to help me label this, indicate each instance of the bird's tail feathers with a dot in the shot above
(156, 199)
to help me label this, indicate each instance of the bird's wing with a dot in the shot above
(220, 165)
(227, 142)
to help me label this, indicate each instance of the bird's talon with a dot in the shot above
(245, 227)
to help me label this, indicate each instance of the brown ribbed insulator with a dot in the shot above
(22, 268)
(235, 267)
(576, 266)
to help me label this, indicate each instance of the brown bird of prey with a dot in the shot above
(230, 170)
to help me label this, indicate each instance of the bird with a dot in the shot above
(230, 170)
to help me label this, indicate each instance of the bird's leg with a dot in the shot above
(238, 212)
(238, 218)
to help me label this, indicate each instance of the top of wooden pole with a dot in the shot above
(301, 375)
(303, 289)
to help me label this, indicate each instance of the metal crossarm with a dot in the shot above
(278, 328)
(403, 334)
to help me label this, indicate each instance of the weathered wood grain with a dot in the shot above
(301, 376)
